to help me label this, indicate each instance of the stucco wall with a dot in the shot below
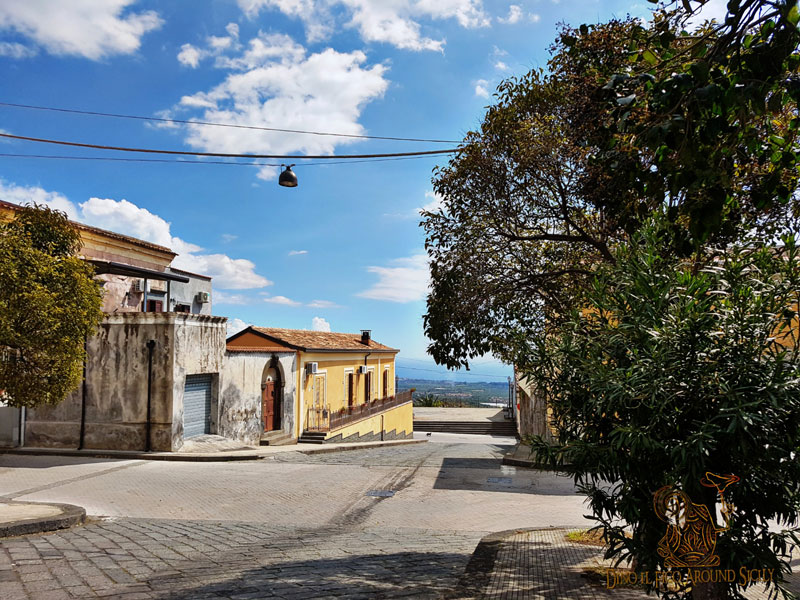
(116, 383)
(240, 394)
(186, 293)
(395, 423)
(532, 411)
(9, 426)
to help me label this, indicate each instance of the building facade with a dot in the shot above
(344, 382)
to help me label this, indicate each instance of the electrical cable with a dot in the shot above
(255, 127)
(202, 162)
(225, 154)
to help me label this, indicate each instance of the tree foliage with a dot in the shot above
(49, 303)
(628, 119)
(663, 373)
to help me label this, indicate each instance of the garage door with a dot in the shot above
(197, 405)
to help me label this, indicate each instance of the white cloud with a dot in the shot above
(282, 300)
(320, 324)
(480, 88)
(125, 217)
(274, 82)
(190, 55)
(501, 66)
(297, 252)
(18, 194)
(322, 304)
(406, 281)
(225, 298)
(535, 18)
(235, 326)
(434, 202)
(395, 22)
(229, 237)
(515, 15)
(712, 9)
(17, 50)
(92, 29)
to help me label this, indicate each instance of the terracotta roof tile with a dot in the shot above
(322, 340)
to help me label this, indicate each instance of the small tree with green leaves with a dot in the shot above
(49, 304)
(667, 370)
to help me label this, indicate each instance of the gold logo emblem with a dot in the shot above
(691, 535)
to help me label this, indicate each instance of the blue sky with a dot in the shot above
(344, 249)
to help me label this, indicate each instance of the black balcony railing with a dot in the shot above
(321, 419)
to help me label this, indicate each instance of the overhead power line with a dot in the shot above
(226, 154)
(200, 162)
(232, 125)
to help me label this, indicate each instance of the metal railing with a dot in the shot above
(322, 419)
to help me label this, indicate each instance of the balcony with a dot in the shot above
(321, 419)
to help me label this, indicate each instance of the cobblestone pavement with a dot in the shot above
(292, 526)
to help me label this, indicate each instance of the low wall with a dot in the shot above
(394, 424)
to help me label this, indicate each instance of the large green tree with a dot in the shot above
(49, 304)
(628, 119)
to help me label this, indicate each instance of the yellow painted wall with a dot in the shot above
(334, 366)
(400, 419)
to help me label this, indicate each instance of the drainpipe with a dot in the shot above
(82, 434)
(150, 345)
(21, 426)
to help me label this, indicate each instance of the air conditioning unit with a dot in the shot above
(138, 285)
(362, 370)
(311, 368)
(203, 297)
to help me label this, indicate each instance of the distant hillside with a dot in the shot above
(468, 392)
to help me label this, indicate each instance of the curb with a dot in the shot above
(366, 446)
(124, 455)
(176, 456)
(70, 516)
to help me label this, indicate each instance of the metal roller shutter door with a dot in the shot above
(197, 405)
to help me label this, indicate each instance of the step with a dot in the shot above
(276, 438)
(313, 437)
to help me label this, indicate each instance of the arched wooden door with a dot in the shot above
(268, 408)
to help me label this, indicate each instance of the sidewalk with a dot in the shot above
(210, 452)
(23, 518)
(541, 564)
(520, 456)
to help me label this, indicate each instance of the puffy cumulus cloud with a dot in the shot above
(124, 217)
(19, 194)
(235, 326)
(320, 324)
(274, 82)
(395, 22)
(92, 29)
(515, 15)
(407, 280)
(191, 55)
(481, 91)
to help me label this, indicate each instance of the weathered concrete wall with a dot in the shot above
(9, 426)
(199, 349)
(240, 397)
(532, 414)
(117, 378)
(186, 293)
(118, 294)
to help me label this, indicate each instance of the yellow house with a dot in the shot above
(344, 384)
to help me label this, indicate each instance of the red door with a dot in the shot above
(268, 406)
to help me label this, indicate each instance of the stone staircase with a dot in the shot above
(313, 437)
(276, 438)
(505, 428)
